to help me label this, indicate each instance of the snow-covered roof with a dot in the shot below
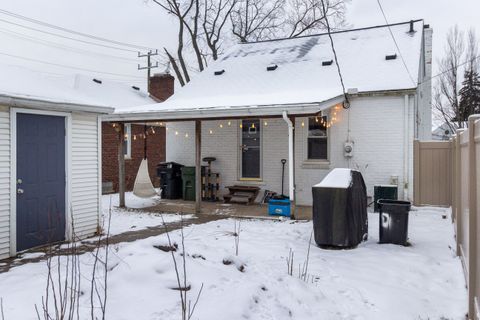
(22, 83)
(300, 77)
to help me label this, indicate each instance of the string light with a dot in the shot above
(241, 126)
(211, 131)
(221, 125)
(265, 123)
(126, 136)
(186, 135)
(253, 125)
(134, 137)
(303, 124)
(176, 133)
(229, 123)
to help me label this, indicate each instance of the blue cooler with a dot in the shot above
(279, 207)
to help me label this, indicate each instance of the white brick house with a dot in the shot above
(389, 108)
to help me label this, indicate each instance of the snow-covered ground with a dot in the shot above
(124, 220)
(373, 281)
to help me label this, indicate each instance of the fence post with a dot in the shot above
(458, 191)
(472, 221)
(453, 153)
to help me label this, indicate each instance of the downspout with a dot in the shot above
(406, 161)
(291, 178)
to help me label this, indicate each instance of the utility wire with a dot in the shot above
(61, 46)
(86, 35)
(450, 69)
(67, 66)
(69, 38)
(396, 44)
(347, 103)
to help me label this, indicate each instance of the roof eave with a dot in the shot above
(22, 102)
(226, 112)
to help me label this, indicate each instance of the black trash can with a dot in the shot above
(340, 210)
(170, 180)
(393, 221)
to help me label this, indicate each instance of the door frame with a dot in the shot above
(239, 144)
(13, 170)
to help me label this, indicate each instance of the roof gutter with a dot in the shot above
(52, 105)
(227, 112)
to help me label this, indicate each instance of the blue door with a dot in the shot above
(40, 180)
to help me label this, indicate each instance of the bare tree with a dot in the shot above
(181, 12)
(254, 20)
(460, 58)
(445, 97)
(215, 16)
(306, 16)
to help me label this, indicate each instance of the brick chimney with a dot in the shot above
(161, 86)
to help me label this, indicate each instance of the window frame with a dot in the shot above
(326, 138)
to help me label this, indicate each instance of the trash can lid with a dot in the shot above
(339, 178)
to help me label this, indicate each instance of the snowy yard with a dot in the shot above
(124, 220)
(373, 281)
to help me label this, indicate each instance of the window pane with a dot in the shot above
(317, 148)
(317, 127)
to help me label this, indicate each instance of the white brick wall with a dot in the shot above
(376, 127)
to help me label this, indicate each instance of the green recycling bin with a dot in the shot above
(188, 183)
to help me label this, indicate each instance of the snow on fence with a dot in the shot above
(466, 206)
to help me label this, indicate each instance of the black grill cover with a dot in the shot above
(340, 215)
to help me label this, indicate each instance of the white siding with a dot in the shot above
(4, 182)
(376, 127)
(85, 174)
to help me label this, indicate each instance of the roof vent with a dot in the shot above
(97, 81)
(272, 67)
(327, 63)
(412, 30)
(391, 57)
(220, 72)
(426, 26)
(135, 88)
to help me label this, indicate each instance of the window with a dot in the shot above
(317, 138)
(127, 142)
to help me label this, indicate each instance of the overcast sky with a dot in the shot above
(143, 23)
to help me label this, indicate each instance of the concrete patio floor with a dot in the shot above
(225, 209)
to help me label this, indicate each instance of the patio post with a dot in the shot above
(291, 161)
(198, 166)
(121, 166)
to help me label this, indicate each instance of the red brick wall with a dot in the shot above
(155, 154)
(161, 86)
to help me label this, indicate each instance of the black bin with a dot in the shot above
(170, 180)
(393, 221)
(340, 211)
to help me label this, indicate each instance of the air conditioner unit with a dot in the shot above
(348, 149)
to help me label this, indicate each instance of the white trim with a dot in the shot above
(306, 160)
(99, 155)
(13, 170)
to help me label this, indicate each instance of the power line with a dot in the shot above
(49, 25)
(67, 66)
(450, 69)
(347, 103)
(396, 44)
(61, 46)
(66, 37)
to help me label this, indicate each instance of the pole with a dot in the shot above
(121, 166)
(198, 166)
(149, 66)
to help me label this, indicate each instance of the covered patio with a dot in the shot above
(288, 115)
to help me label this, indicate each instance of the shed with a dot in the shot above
(50, 161)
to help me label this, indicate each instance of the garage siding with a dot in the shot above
(85, 172)
(4, 182)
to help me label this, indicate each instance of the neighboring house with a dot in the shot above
(122, 96)
(50, 155)
(246, 99)
(445, 131)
